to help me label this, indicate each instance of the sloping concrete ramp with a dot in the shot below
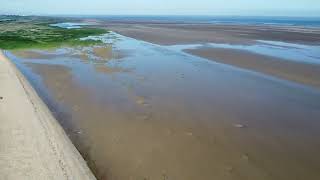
(33, 146)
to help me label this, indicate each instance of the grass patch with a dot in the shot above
(37, 33)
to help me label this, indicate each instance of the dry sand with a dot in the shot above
(32, 143)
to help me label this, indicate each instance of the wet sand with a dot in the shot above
(32, 143)
(171, 34)
(167, 115)
(304, 73)
(175, 34)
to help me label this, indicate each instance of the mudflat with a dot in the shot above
(159, 114)
(304, 73)
(176, 34)
(137, 110)
(33, 144)
(170, 34)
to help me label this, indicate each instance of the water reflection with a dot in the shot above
(288, 51)
(155, 113)
(70, 25)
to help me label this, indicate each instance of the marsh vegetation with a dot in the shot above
(18, 32)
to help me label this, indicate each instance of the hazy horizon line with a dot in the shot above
(159, 15)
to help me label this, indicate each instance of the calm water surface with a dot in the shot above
(312, 22)
(288, 51)
(141, 111)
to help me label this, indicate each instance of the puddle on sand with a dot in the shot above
(101, 53)
(159, 114)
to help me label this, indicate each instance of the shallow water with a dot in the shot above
(298, 22)
(70, 25)
(292, 52)
(143, 111)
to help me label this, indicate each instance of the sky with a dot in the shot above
(162, 7)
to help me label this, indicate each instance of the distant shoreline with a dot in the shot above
(177, 34)
(180, 33)
(311, 21)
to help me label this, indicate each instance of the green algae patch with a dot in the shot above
(19, 34)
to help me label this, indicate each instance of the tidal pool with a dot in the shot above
(141, 111)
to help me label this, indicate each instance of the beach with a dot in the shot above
(138, 110)
(184, 33)
(162, 100)
(307, 74)
(33, 144)
(177, 34)
(160, 90)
